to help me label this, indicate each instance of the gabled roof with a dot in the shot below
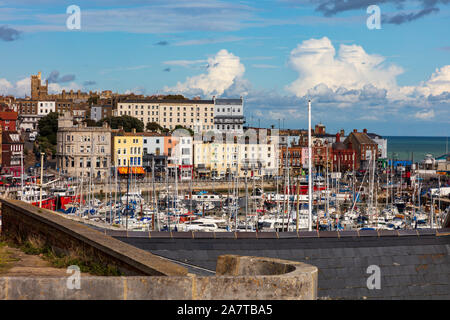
(11, 137)
(361, 138)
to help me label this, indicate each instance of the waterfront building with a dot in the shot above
(197, 115)
(127, 152)
(364, 147)
(83, 151)
(229, 115)
(292, 156)
(382, 144)
(221, 159)
(343, 157)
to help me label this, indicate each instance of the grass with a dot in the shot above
(34, 247)
(5, 257)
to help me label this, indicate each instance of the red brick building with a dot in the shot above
(294, 159)
(343, 157)
(12, 149)
(363, 146)
(8, 120)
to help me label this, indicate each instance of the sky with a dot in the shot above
(393, 80)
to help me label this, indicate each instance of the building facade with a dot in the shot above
(12, 153)
(223, 159)
(365, 148)
(45, 107)
(99, 112)
(127, 152)
(229, 115)
(197, 115)
(344, 158)
(8, 120)
(83, 151)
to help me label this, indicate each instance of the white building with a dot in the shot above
(153, 144)
(229, 115)
(220, 159)
(45, 107)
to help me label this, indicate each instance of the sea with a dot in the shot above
(406, 148)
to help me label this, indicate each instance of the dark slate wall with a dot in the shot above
(411, 267)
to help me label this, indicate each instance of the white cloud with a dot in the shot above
(425, 114)
(54, 88)
(224, 70)
(352, 68)
(19, 89)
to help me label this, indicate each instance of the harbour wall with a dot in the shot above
(146, 276)
(412, 264)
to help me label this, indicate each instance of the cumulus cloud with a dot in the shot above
(223, 71)
(19, 89)
(353, 76)
(352, 68)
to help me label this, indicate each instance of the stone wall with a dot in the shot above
(238, 284)
(237, 277)
(23, 222)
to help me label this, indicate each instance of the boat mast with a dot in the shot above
(309, 167)
(42, 176)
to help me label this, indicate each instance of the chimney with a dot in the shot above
(365, 130)
(133, 130)
(338, 137)
(342, 133)
(354, 130)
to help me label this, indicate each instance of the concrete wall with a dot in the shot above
(237, 284)
(22, 222)
(236, 277)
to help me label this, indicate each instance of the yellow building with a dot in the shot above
(127, 152)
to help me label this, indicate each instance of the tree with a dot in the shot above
(127, 122)
(48, 126)
(90, 123)
(174, 97)
(92, 100)
(153, 126)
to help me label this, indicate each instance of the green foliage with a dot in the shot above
(125, 121)
(91, 123)
(48, 126)
(46, 145)
(63, 261)
(174, 97)
(153, 126)
(92, 100)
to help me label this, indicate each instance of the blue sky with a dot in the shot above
(277, 54)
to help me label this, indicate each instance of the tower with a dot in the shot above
(38, 91)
